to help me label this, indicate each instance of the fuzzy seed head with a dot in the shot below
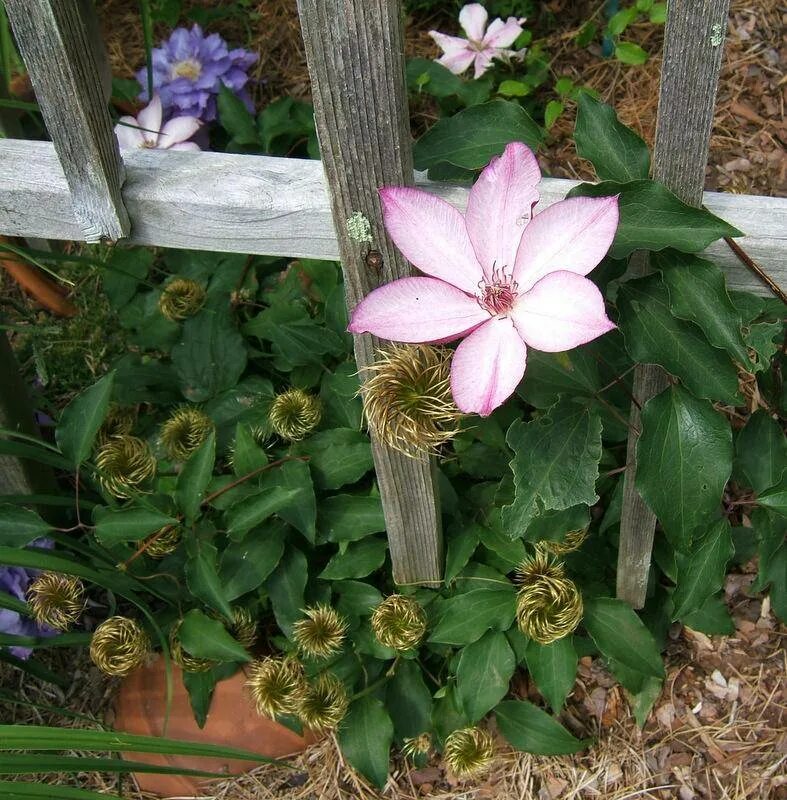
(185, 430)
(323, 703)
(572, 541)
(244, 627)
(56, 600)
(163, 542)
(294, 414)
(417, 747)
(468, 751)
(407, 398)
(119, 645)
(124, 464)
(321, 633)
(399, 622)
(181, 298)
(276, 685)
(184, 659)
(119, 421)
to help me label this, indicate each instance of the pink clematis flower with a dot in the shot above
(499, 278)
(145, 130)
(482, 43)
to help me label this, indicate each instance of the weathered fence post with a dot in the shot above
(356, 61)
(693, 46)
(59, 48)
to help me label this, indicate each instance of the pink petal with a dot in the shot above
(473, 19)
(431, 235)
(150, 116)
(417, 310)
(563, 310)
(571, 235)
(487, 367)
(502, 34)
(450, 44)
(178, 130)
(483, 61)
(500, 205)
(129, 137)
(458, 62)
(190, 146)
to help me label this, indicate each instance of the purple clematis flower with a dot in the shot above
(482, 44)
(189, 68)
(145, 130)
(499, 278)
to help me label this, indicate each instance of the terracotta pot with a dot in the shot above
(232, 722)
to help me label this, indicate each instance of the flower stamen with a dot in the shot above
(498, 296)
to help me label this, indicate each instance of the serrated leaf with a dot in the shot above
(701, 571)
(195, 477)
(526, 727)
(128, 524)
(81, 419)
(409, 701)
(206, 637)
(555, 463)
(616, 152)
(760, 452)
(554, 669)
(20, 526)
(621, 636)
(365, 739)
(202, 577)
(466, 617)
(684, 458)
(484, 671)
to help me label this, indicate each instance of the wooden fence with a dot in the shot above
(79, 188)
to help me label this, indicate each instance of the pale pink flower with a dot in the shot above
(145, 130)
(482, 43)
(500, 278)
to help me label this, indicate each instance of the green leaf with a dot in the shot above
(356, 599)
(20, 526)
(484, 671)
(200, 686)
(124, 270)
(301, 511)
(210, 356)
(698, 293)
(128, 524)
(526, 727)
(553, 668)
(365, 739)
(654, 336)
(774, 575)
(658, 13)
(424, 75)
(286, 586)
(470, 138)
(202, 577)
(459, 548)
(245, 565)
(346, 518)
(552, 526)
(247, 455)
(514, 89)
(337, 457)
(255, 509)
(205, 637)
(235, 117)
(466, 617)
(553, 111)
(712, 618)
(621, 20)
(760, 452)
(620, 635)
(511, 551)
(616, 152)
(652, 218)
(776, 497)
(684, 458)
(409, 701)
(31, 763)
(342, 407)
(701, 571)
(195, 477)
(555, 463)
(357, 561)
(630, 53)
(81, 420)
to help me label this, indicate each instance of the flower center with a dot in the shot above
(188, 68)
(498, 296)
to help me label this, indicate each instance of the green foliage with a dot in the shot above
(526, 727)
(483, 673)
(81, 420)
(554, 668)
(20, 526)
(366, 738)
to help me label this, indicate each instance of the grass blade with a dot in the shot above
(32, 763)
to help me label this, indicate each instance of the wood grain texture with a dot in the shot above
(354, 50)
(693, 46)
(280, 206)
(59, 51)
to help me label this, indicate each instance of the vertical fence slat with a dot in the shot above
(693, 46)
(354, 49)
(59, 51)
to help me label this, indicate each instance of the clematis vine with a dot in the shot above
(482, 44)
(497, 277)
(145, 130)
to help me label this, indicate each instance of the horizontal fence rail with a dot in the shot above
(280, 206)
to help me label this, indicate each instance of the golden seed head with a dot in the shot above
(184, 659)
(163, 542)
(124, 464)
(294, 414)
(185, 430)
(276, 685)
(549, 605)
(399, 622)
(119, 646)
(572, 541)
(321, 633)
(323, 703)
(417, 746)
(407, 398)
(468, 751)
(181, 298)
(119, 421)
(56, 600)
(244, 627)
